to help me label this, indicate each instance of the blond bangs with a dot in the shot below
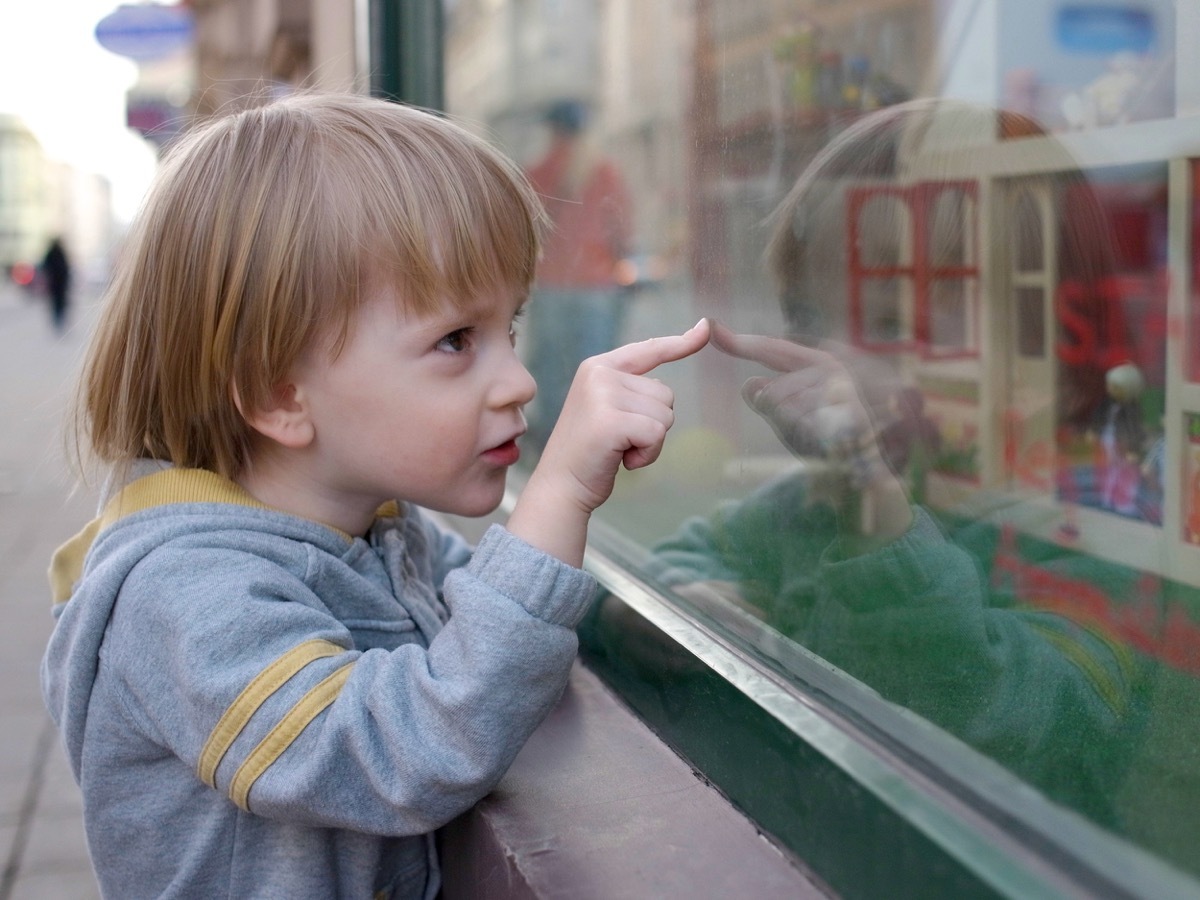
(261, 236)
(444, 221)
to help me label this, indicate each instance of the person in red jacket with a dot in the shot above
(577, 305)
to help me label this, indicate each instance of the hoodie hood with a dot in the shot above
(177, 502)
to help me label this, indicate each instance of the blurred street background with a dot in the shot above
(72, 167)
(41, 832)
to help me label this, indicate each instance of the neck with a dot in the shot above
(283, 485)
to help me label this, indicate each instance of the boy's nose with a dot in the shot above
(516, 386)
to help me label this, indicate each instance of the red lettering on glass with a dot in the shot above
(1093, 322)
(1077, 346)
(1145, 622)
(1029, 464)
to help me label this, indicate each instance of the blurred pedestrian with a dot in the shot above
(56, 275)
(577, 305)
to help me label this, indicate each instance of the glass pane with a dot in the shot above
(949, 313)
(886, 316)
(1111, 376)
(951, 217)
(1193, 307)
(1031, 322)
(1027, 233)
(973, 505)
(884, 232)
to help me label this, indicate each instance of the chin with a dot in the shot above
(476, 512)
(471, 509)
(474, 498)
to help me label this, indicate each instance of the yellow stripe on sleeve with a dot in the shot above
(266, 683)
(1105, 685)
(282, 735)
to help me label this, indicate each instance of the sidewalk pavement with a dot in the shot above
(41, 832)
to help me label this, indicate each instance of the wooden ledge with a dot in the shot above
(596, 806)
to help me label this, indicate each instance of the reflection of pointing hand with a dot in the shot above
(815, 405)
(614, 414)
(812, 403)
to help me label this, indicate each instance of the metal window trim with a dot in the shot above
(404, 51)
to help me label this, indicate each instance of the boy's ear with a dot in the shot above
(283, 418)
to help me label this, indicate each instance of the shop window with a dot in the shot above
(1034, 664)
(1029, 255)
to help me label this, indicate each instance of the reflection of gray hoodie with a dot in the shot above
(257, 705)
(1057, 701)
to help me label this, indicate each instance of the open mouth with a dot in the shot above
(505, 454)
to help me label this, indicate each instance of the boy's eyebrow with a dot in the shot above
(452, 314)
(517, 299)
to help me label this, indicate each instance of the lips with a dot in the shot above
(505, 454)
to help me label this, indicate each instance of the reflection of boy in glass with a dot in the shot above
(910, 442)
(873, 584)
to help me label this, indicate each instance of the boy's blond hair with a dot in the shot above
(263, 233)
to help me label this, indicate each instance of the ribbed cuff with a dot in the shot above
(547, 588)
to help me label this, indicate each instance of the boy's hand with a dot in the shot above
(613, 415)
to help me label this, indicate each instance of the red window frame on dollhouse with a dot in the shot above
(923, 275)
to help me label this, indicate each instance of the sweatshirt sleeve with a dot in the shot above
(451, 551)
(1054, 700)
(250, 680)
(917, 621)
(914, 621)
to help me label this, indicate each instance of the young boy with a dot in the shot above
(274, 675)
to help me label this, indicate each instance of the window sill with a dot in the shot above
(595, 805)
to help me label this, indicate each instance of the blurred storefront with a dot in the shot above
(991, 206)
(41, 198)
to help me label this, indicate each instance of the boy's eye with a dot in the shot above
(456, 341)
(514, 328)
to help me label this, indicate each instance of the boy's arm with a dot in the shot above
(916, 621)
(614, 415)
(253, 684)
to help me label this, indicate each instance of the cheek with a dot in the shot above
(450, 435)
(437, 431)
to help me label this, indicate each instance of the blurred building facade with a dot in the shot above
(23, 207)
(41, 198)
(247, 51)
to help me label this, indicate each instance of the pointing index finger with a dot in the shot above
(645, 356)
(775, 353)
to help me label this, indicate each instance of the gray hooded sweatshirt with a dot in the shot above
(257, 705)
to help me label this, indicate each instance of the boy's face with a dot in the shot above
(424, 409)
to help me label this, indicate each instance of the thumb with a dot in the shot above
(752, 388)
